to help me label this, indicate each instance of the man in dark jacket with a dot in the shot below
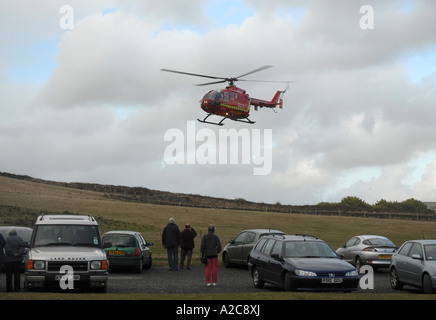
(13, 258)
(187, 245)
(210, 247)
(171, 239)
(2, 245)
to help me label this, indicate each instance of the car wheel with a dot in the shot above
(257, 282)
(290, 284)
(358, 263)
(427, 286)
(395, 280)
(140, 266)
(148, 263)
(226, 260)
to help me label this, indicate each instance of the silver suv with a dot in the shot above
(66, 252)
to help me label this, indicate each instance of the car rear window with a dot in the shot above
(120, 240)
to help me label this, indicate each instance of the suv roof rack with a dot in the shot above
(305, 235)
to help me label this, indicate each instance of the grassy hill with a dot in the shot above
(21, 201)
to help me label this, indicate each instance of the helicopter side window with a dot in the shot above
(226, 96)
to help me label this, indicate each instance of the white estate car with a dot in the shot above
(66, 252)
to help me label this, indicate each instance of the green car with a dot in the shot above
(127, 249)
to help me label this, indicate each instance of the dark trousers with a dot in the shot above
(185, 253)
(13, 268)
(173, 257)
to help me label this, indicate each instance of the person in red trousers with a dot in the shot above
(210, 247)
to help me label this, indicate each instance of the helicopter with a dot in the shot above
(232, 102)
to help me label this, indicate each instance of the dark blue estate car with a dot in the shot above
(300, 262)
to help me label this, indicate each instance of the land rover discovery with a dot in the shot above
(66, 252)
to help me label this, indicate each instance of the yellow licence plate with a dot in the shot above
(384, 256)
(117, 252)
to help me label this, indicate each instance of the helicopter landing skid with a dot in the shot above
(217, 124)
(246, 120)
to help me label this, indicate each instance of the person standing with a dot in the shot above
(210, 247)
(171, 239)
(2, 254)
(187, 245)
(13, 259)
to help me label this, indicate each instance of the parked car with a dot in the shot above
(25, 234)
(415, 265)
(66, 241)
(127, 249)
(300, 262)
(239, 248)
(368, 250)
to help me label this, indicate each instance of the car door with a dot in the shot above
(234, 250)
(401, 259)
(265, 260)
(414, 265)
(247, 246)
(275, 263)
(350, 249)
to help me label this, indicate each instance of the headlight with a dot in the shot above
(99, 265)
(36, 265)
(304, 273)
(352, 273)
(95, 265)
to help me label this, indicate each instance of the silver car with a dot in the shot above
(415, 265)
(237, 251)
(372, 250)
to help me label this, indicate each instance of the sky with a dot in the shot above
(83, 97)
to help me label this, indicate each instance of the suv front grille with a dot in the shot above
(78, 266)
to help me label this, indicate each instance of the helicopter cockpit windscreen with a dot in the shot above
(214, 95)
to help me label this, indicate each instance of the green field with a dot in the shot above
(22, 201)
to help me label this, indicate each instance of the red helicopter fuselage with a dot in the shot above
(234, 103)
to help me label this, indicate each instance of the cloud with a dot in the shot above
(355, 122)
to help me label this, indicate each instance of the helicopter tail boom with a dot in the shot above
(276, 101)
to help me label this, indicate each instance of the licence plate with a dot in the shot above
(384, 256)
(117, 252)
(331, 280)
(59, 277)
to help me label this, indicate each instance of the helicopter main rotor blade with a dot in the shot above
(215, 82)
(249, 80)
(256, 70)
(193, 74)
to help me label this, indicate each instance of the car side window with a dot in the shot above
(259, 245)
(416, 249)
(405, 249)
(142, 241)
(268, 246)
(277, 249)
(352, 242)
(240, 238)
(250, 237)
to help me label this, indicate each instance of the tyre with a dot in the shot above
(226, 260)
(290, 284)
(427, 286)
(257, 282)
(395, 280)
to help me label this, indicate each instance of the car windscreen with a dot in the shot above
(68, 235)
(308, 249)
(120, 240)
